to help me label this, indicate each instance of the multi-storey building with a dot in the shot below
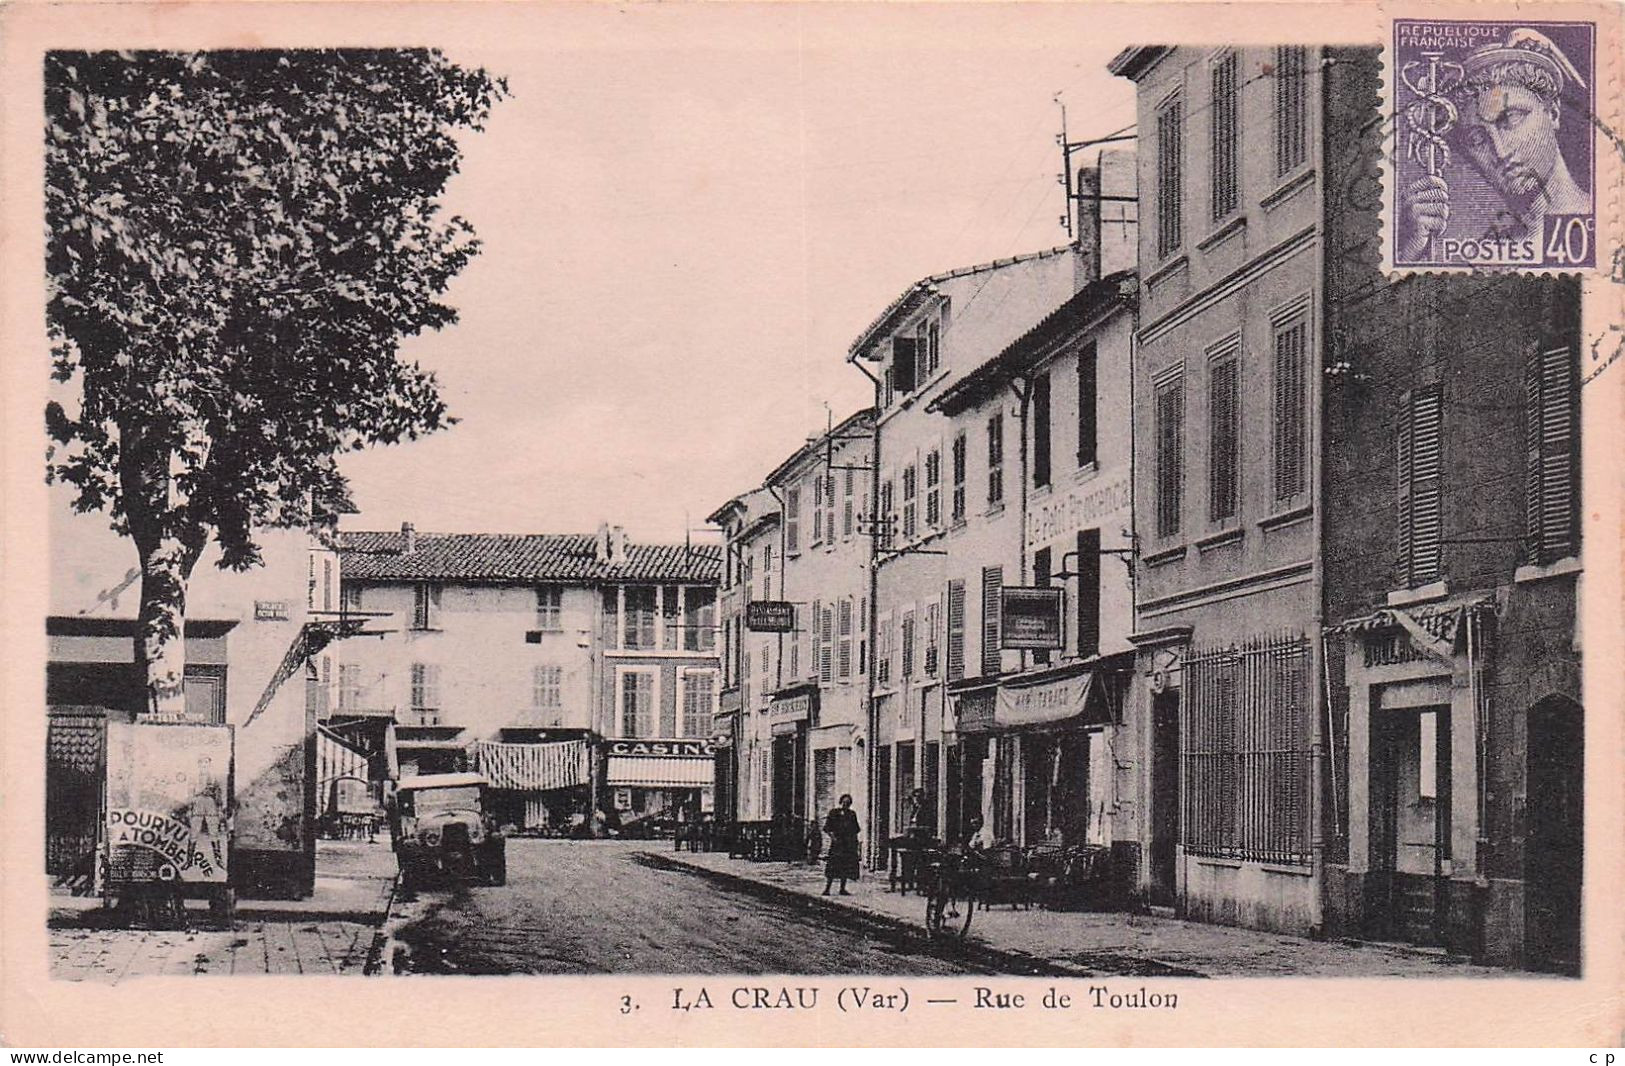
(1227, 387)
(750, 526)
(1453, 555)
(574, 670)
(819, 687)
(737, 519)
(1043, 751)
(934, 334)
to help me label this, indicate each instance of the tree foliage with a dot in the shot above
(238, 242)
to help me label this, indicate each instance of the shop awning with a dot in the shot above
(1079, 694)
(656, 772)
(533, 767)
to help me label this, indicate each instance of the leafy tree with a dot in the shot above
(238, 242)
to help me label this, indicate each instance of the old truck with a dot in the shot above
(440, 827)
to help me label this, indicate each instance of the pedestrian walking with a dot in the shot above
(842, 827)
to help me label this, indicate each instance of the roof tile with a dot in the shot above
(500, 558)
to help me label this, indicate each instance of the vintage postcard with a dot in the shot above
(847, 524)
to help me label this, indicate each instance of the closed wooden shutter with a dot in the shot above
(1170, 178)
(1291, 478)
(956, 630)
(817, 624)
(1088, 592)
(826, 664)
(1041, 571)
(908, 644)
(1225, 183)
(1420, 451)
(1551, 455)
(1170, 433)
(1041, 431)
(1224, 441)
(992, 584)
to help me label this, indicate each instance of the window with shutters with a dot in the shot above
(671, 606)
(862, 626)
(699, 618)
(933, 345)
(829, 510)
(1041, 572)
(904, 365)
(817, 510)
(426, 693)
(933, 489)
(958, 505)
(908, 645)
(1224, 440)
(547, 687)
(1170, 454)
(816, 625)
(349, 686)
(888, 514)
(639, 620)
(826, 633)
(1088, 592)
(846, 504)
(992, 583)
(1551, 456)
(426, 607)
(792, 520)
(1291, 108)
(995, 459)
(1170, 208)
(638, 703)
(911, 487)
(883, 646)
(956, 630)
(1041, 434)
(1420, 469)
(933, 620)
(795, 642)
(843, 655)
(699, 702)
(1226, 119)
(1088, 422)
(888, 389)
(549, 605)
(925, 344)
(1291, 411)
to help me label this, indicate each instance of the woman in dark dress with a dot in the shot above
(842, 828)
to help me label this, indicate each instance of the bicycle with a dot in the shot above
(952, 889)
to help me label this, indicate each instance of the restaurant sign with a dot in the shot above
(664, 749)
(1031, 618)
(770, 616)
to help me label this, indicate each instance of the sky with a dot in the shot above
(688, 214)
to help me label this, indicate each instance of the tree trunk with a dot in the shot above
(160, 641)
(168, 544)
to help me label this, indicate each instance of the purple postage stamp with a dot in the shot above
(1493, 144)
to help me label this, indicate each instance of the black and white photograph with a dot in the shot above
(695, 493)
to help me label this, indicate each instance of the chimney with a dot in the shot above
(1088, 232)
(409, 535)
(617, 546)
(600, 544)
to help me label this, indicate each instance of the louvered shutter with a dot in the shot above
(1224, 441)
(1420, 477)
(1088, 592)
(826, 657)
(956, 630)
(1290, 425)
(1551, 461)
(1403, 501)
(992, 584)
(817, 627)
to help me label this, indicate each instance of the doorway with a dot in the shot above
(1554, 852)
(1164, 796)
(1413, 787)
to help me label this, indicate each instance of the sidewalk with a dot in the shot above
(332, 932)
(1109, 943)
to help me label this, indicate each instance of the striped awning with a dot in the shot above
(532, 767)
(651, 772)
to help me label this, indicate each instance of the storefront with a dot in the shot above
(791, 716)
(1034, 754)
(536, 783)
(663, 781)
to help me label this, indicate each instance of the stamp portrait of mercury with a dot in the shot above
(1493, 154)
